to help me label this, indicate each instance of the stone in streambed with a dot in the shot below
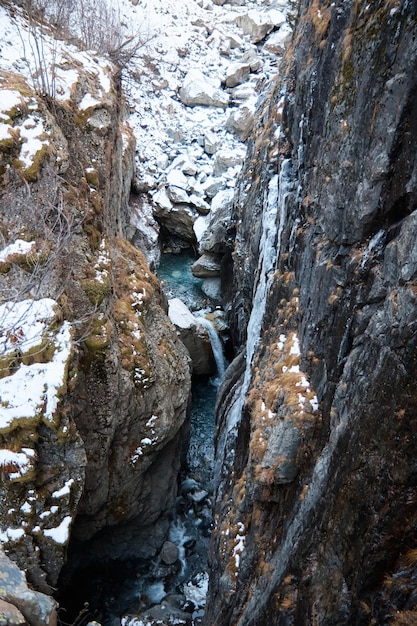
(169, 553)
(194, 336)
(207, 266)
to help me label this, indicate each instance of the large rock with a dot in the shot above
(258, 24)
(194, 336)
(176, 219)
(237, 73)
(198, 90)
(207, 266)
(18, 599)
(241, 121)
(212, 288)
(169, 553)
(278, 41)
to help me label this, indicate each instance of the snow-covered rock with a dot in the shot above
(237, 73)
(211, 287)
(177, 195)
(212, 186)
(211, 142)
(177, 219)
(278, 40)
(241, 120)
(227, 158)
(258, 24)
(198, 90)
(194, 336)
(254, 59)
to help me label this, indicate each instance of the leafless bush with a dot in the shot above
(32, 275)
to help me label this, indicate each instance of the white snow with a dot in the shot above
(196, 591)
(179, 314)
(65, 490)
(60, 534)
(239, 545)
(20, 462)
(32, 131)
(32, 391)
(11, 534)
(16, 247)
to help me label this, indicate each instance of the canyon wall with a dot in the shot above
(94, 382)
(316, 500)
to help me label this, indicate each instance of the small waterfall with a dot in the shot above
(273, 222)
(216, 346)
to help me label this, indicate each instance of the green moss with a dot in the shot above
(31, 173)
(4, 267)
(96, 290)
(43, 353)
(100, 334)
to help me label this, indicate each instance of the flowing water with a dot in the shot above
(174, 272)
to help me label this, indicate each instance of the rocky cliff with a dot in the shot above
(316, 503)
(94, 383)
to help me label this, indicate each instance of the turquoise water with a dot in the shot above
(174, 272)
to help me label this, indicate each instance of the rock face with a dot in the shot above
(194, 336)
(91, 438)
(316, 509)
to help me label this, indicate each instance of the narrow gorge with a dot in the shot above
(243, 178)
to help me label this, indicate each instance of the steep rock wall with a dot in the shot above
(110, 452)
(316, 513)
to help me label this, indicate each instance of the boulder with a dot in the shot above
(240, 121)
(212, 186)
(227, 158)
(211, 287)
(198, 90)
(177, 219)
(211, 142)
(177, 195)
(194, 336)
(169, 553)
(258, 24)
(207, 266)
(177, 178)
(10, 615)
(200, 204)
(278, 40)
(185, 164)
(253, 59)
(17, 599)
(236, 74)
